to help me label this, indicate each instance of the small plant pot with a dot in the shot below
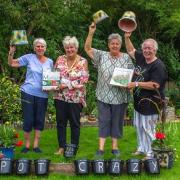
(70, 150)
(99, 167)
(8, 152)
(152, 166)
(6, 166)
(42, 166)
(23, 166)
(115, 166)
(82, 166)
(165, 157)
(133, 166)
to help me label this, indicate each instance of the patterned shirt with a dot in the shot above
(105, 64)
(78, 75)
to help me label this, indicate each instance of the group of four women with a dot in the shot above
(112, 101)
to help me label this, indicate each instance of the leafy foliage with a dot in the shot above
(54, 19)
(10, 106)
(91, 98)
(171, 58)
(9, 136)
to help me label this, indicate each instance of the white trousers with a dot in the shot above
(146, 128)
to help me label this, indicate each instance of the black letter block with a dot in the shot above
(133, 166)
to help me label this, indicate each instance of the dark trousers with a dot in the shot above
(67, 111)
(34, 111)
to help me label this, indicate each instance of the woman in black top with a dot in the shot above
(149, 79)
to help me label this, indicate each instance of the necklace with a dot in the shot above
(73, 64)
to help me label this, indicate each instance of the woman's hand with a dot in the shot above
(78, 86)
(92, 28)
(127, 34)
(131, 85)
(62, 86)
(12, 50)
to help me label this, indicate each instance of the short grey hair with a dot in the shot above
(155, 44)
(39, 40)
(115, 36)
(70, 40)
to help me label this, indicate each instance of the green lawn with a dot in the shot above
(87, 149)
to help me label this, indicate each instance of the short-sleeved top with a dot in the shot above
(33, 81)
(105, 64)
(155, 72)
(78, 75)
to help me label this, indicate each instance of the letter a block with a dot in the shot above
(115, 166)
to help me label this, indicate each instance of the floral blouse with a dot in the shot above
(72, 77)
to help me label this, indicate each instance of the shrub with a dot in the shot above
(10, 105)
(91, 98)
(51, 111)
(174, 96)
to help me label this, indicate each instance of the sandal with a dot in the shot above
(60, 151)
(147, 157)
(136, 153)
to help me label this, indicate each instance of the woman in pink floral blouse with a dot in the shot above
(70, 98)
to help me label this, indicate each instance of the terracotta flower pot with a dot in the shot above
(91, 118)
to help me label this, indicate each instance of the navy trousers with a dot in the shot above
(67, 111)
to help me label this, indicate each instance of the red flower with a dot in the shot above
(19, 143)
(16, 135)
(160, 135)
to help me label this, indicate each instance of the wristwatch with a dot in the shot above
(136, 84)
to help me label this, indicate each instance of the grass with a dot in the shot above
(87, 149)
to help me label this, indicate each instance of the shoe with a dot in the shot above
(136, 153)
(25, 150)
(115, 152)
(99, 154)
(60, 151)
(147, 157)
(37, 150)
